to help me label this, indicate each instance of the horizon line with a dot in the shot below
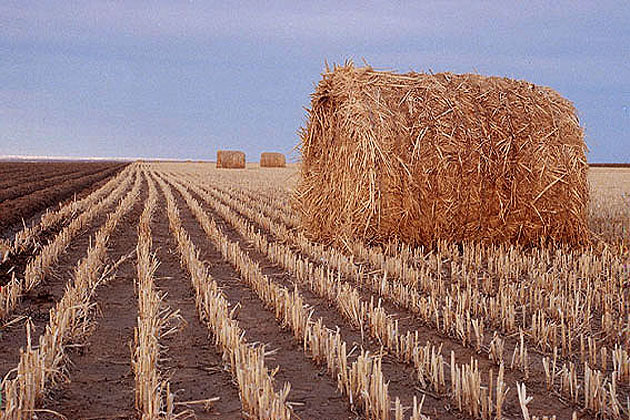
(154, 159)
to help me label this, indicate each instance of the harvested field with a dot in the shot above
(27, 188)
(177, 289)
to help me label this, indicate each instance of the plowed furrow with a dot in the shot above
(194, 368)
(314, 392)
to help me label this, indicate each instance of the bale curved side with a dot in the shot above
(430, 157)
(272, 160)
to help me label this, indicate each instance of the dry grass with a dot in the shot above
(542, 323)
(5, 251)
(37, 269)
(609, 210)
(257, 394)
(537, 300)
(425, 358)
(155, 320)
(40, 366)
(362, 380)
(27, 237)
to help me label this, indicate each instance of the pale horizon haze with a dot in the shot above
(181, 79)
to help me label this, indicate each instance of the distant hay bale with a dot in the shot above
(272, 160)
(452, 157)
(230, 159)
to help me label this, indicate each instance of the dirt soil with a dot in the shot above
(30, 198)
(99, 380)
(194, 368)
(312, 389)
(37, 304)
(402, 384)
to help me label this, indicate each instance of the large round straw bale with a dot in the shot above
(230, 159)
(272, 160)
(429, 157)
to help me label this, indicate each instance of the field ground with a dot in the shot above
(169, 289)
(27, 188)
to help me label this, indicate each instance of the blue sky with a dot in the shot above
(180, 79)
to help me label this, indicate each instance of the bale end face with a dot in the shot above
(231, 159)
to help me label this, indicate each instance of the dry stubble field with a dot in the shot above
(178, 290)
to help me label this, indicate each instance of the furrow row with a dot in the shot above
(362, 380)
(39, 267)
(70, 322)
(599, 392)
(427, 362)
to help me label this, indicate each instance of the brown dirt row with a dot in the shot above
(15, 173)
(29, 187)
(17, 262)
(37, 304)
(194, 368)
(101, 381)
(36, 217)
(609, 165)
(24, 208)
(401, 377)
(311, 386)
(543, 402)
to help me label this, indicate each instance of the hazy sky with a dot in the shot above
(181, 79)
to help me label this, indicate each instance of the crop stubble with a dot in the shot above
(244, 232)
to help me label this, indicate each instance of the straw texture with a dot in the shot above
(429, 157)
(272, 160)
(230, 159)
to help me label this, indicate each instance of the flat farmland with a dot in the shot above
(175, 290)
(27, 188)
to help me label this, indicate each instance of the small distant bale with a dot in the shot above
(232, 159)
(425, 158)
(272, 160)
